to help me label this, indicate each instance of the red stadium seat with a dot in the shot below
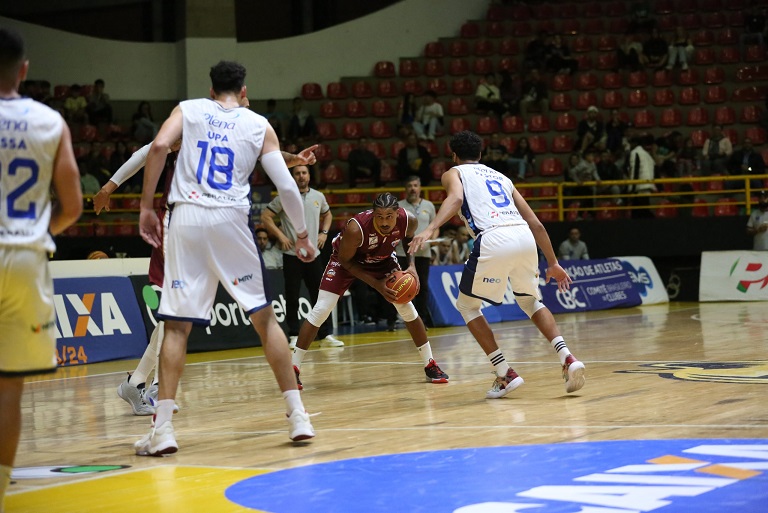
(458, 48)
(512, 125)
(618, 26)
(547, 213)
(508, 64)
(434, 68)
(336, 91)
(671, 117)
(356, 109)
(395, 148)
(330, 109)
(352, 130)
(726, 207)
(438, 85)
(462, 87)
(644, 119)
(728, 36)
(538, 123)
(665, 209)
(562, 83)
(756, 134)
(584, 60)
(343, 149)
(725, 116)
(704, 56)
(88, 133)
(522, 29)
(377, 149)
(698, 137)
(333, 174)
(615, 9)
(582, 44)
(664, 7)
(585, 99)
(409, 68)
(384, 69)
(637, 98)
(470, 30)
(731, 134)
(382, 109)
(606, 43)
(701, 209)
(698, 116)
(752, 73)
(689, 77)
(438, 167)
(380, 129)
(362, 89)
(637, 79)
(457, 107)
(607, 61)
(586, 81)
(483, 48)
(566, 122)
(714, 20)
(388, 172)
(612, 100)
(689, 96)
(60, 92)
(387, 89)
(714, 75)
(662, 78)
(729, 54)
(458, 67)
(538, 143)
(413, 86)
(459, 125)
(434, 50)
(594, 26)
(560, 101)
(715, 94)
(482, 66)
(703, 37)
(663, 97)
(551, 166)
(754, 53)
(311, 91)
(613, 81)
(750, 114)
(323, 153)
(562, 143)
(509, 46)
(747, 94)
(487, 125)
(495, 29)
(431, 147)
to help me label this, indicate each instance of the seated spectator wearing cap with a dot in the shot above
(590, 132)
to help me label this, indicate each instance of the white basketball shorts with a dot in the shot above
(27, 318)
(206, 246)
(505, 252)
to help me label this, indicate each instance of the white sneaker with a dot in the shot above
(135, 397)
(151, 397)
(331, 341)
(300, 427)
(292, 342)
(573, 374)
(158, 442)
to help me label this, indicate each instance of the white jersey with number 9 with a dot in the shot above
(488, 200)
(218, 154)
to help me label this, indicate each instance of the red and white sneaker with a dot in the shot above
(573, 374)
(504, 385)
(298, 381)
(434, 373)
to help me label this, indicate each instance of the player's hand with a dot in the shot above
(150, 228)
(321, 238)
(389, 294)
(418, 241)
(101, 201)
(306, 156)
(560, 275)
(305, 250)
(285, 244)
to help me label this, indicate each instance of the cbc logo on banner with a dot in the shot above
(569, 300)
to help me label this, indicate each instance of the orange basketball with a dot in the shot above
(404, 284)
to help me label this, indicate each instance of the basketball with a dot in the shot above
(404, 284)
(97, 255)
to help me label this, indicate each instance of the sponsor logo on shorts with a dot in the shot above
(194, 195)
(491, 280)
(43, 327)
(330, 274)
(238, 281)
(178, 284)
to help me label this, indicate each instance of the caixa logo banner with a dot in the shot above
(97, 319)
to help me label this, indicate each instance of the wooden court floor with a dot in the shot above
(677, 371)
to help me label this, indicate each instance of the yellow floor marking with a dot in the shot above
(730, 472)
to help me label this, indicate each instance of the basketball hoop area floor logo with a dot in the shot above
(669, 476)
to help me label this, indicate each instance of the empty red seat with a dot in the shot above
(606, 61)
(522, 29)
(394, 149)
(665, 209)
(459, 125)
(637, 98)
(704, 56)
(663, 97)
(330, 109)
(560, 101)
(434, 50)
(613, 100)
(618, 26)
(725, 115)
(586, 81)
(637, 79)
(377, 149)
(698, 137)
(462, 86)
(701, 209)
(413, 86)
(547, 213)
(538, 123)
(752, 73)
(483, 47)
(311, 91)
(731, 134)
(327, 130)
(606, 43)
(754, 53)
(487, 125)
(508, 64)
(60, 92)
(459, 48)
(671, 117)
(542, 11)
(537, 143)
(384, 69)
(585, 99)
(594, 26)
(582, 44)
(495, 29)
(689, 96)
(382, 109)
(343, 149)
(458, 67)
(714, 75)
(88, 133)
(662, 78)
(323, 153)
(387, 89)
(470, 30)
(562, 83)
(482, 66)
(512, 125)
(409, 68)
(613, 81)
(457, 107)
(726, 207)
(614, 9)
(644, 119)
(715, 94)
(434, 68)
(356, 109)
(336, 91)
(388, 172)
(714, 20)
(703, 37)
(689, 77)
(438, 167)
(746, 94)
(584, 60)
(438, 85)
(698, 116)
(664, 7)
(750, 114)
(551, 166)
(509, 46)
(333, 174)
(562, 143)
(352, 130)
(729, 54)
(756, 134)
(380, 129)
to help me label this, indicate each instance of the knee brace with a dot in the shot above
(407, 311)
(528, 304)
(469, 307)
(326, 302)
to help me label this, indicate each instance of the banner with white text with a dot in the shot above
(734, 276)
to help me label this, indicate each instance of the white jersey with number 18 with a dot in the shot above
(488, 201)
(218, 154)
(30, 133)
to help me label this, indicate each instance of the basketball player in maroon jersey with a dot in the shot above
(365, 250)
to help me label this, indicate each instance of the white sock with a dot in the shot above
(5, 482)
(426, 353)
(164, 411)
(148, 360)
(558, 344)
(298, 356)
(293, 401)
(500, 365)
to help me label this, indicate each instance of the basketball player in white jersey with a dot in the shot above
(506, 233)
(35, 154)
(209, 238)
(133, 390)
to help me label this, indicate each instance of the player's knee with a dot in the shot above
(469, 307)
(528, 304)
(407, 311)
(326, 302)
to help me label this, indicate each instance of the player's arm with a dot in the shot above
(348, 245)
(170, 132)
(66, 186)
(554, 270)
(268, 220)
(451, 204)
(129, 168)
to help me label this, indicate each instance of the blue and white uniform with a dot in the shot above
(504, 244)
(209, 236)
(30, 133)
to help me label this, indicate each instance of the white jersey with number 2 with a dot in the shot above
(218, 155)
(488, 199)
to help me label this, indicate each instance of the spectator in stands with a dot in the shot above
(641, 167)
(441, 253)
(558, 57)
(655, 51)
(534, 93)
(583, 169)
(664, 155)
(99, 109)
(522, 159)
(414, 159)
(763, 121)
(688, 159)
(509, 87)
(488, 97)
(89, 183)
(535, 51)
(363, 163)
(406, 114)
(746, 161)
(275, 118)
(590, 132)
(573, 248)
(754, 29)
(757, 225)
(460, 247)
(144, 128)
(716, 152)
(607, 170)
(641, 19)
(495, 155)
(680, 49)
(96, 165)
(270, 254)
(301, 125)
(615, 133)
(629, 54)
(429, 117)
(74, 105)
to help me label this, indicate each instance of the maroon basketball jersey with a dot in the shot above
(376, 247)
(157, 258)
